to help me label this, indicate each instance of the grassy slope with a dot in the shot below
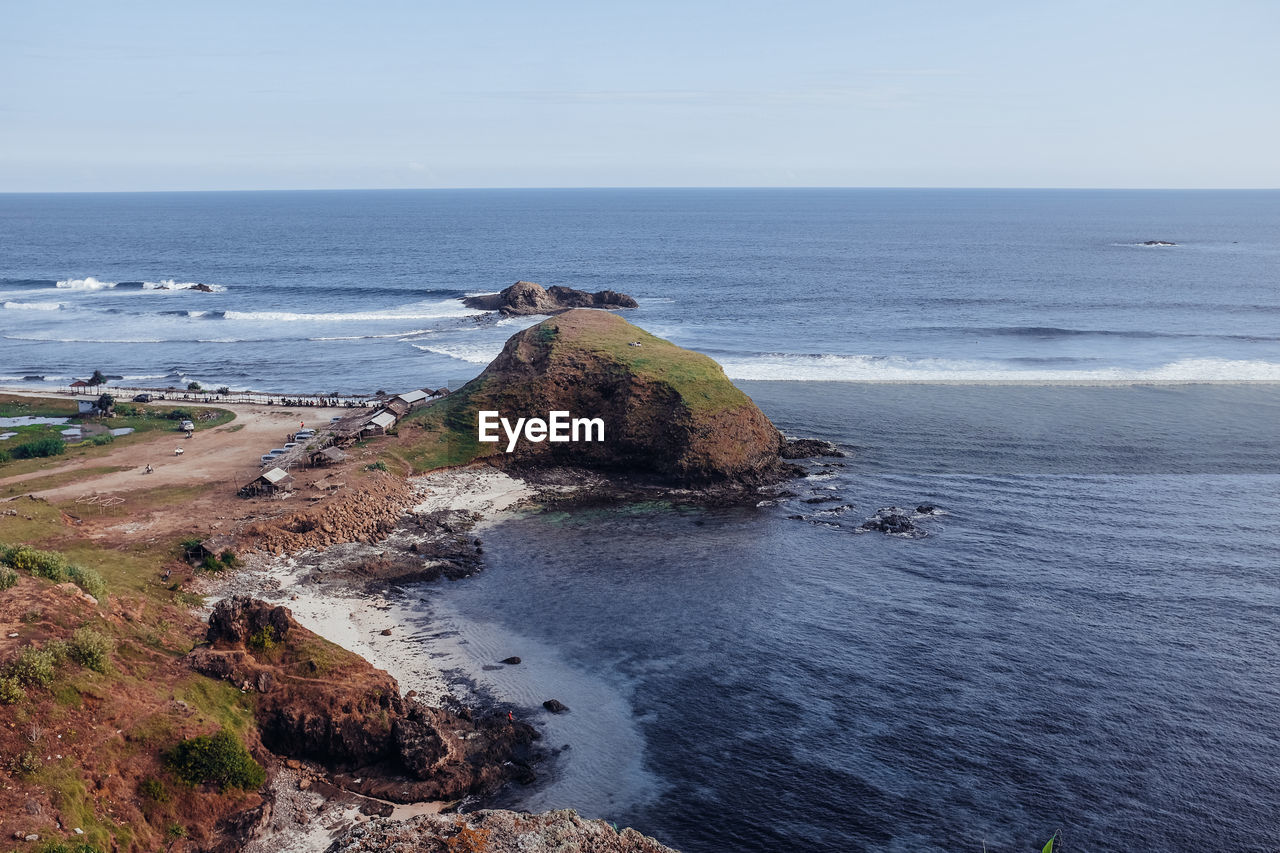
(444, 434)
(89, 773)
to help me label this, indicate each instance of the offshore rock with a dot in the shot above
(526, 297)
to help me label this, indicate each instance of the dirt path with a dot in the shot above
(225, 455)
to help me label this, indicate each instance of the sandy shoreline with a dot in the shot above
(355, 619)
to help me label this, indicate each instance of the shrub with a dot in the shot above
(228, 559)
(179, 415)
(88, 580)
(264, 639)
(58, 651)
(376, 466)
(223, 390)
(5, 456)
(32, 667)
(8, 577)
(211, 564)
(219, 758)
(194, 386)
(90, 649)
(43, 564)
(154, 789)
(39, 448)
(104, 438)
(26, 763)
(11, 692)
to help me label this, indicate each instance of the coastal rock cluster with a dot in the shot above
(495, 831)
(319, 702)
(526, 297)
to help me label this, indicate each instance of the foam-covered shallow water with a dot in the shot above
(1083, 643)
(325, 291)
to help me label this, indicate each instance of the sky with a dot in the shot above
(140, 96)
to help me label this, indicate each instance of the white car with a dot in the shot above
(187, 426)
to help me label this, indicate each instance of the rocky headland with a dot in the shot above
(526, 297)
(671, 418)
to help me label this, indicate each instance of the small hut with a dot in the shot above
(269, 482)
(328, 456)
(379, 423)
(403, 404)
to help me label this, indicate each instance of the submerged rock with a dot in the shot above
(807, 448)
(526, 297)
(555, 706)
(894, 521)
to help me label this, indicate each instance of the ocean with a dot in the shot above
(1084, 641)
(351, 291)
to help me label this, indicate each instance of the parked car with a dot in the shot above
(305, 434)
(335, 419)
(142, 398)
(277, 451)
(291, 445)
(267, 457)
(187, 426)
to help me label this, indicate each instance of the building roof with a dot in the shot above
(382, 419)
(332, 453)
(274, 476)
(412, 396)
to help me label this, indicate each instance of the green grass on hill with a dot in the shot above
(444, 434)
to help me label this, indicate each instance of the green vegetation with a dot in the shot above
(154, 789)
(90, 649)
(8, 577)
(32, 667)
(76, 846)
(39, 448)
(219, 758)
(376, 466)
(52, 566)
(263, 640)
(11, 692)
(194, 386)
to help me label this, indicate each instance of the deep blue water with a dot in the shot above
(350, 290)
(1084, 642)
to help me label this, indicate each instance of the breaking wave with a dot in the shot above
(91, 283)
(32, 306)
(432, 311)
(867, 368)
(472, 353)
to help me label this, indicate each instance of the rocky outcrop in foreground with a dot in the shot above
(495, 832)
(320, 702)
(525, 297)
(668, 414)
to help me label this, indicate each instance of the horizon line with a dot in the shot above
(638, 187)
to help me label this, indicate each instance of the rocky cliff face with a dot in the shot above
(320, 702)
(667, 412)
(526, 297)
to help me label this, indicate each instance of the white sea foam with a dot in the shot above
(32, 306)
(89, 283)
(865, 368)
(473, 353)
(523, 321)
(170, 284)
(421, 311)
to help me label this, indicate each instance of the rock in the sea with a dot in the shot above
(555, 706)
(807, 448)
(894, 521)
(511, 661)
(667, 413)
(926, 509)
(526, 297)
(1158, 243)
